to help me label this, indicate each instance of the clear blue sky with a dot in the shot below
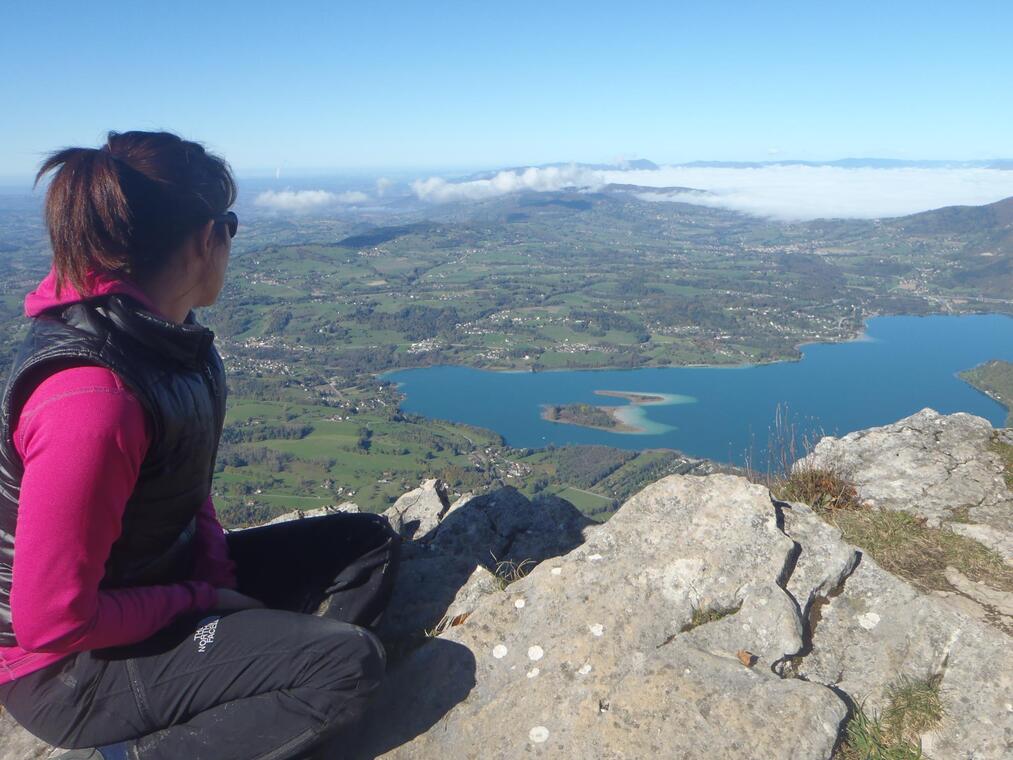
(464, 84)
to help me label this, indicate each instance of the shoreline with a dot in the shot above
(634, 398)
(855, 338)
(862, 335)
(1003, 401)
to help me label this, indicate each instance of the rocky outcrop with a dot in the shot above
(302, 514)
(939, 467)
(879, 629)
(18, 744)
(703, 620)
(419, 511)
(594, 654)
(467, 550)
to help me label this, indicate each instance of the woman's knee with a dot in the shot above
(344, 657)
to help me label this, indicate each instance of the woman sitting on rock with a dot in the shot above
(131, 625)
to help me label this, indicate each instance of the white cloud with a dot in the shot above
(780, 192)
(352, 196)
(301, 201)
(810, 192)
(438, 190)
(383, 185)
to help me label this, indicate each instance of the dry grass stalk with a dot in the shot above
(508, 571)
(914, 706)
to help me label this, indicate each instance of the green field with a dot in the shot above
(996, 379)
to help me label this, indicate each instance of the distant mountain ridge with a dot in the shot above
(996, 216)
(643, 164)
(859, 163)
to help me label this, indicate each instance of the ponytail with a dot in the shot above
(87, 214)
(126, 207)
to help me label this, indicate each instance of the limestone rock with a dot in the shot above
(939, 467)
(869, 629)
(1001, 602)
(879, 629)
(588, 655)
(419, 511)
(505, 526)
(18, 744)
(461, 501)
(450, 566)
(593, 654)
(480, 584)
(824, 560)
(965, 605)
(430, 584)
(999, 541)
(302, 514)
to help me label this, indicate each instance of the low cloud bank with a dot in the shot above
(810, 192)
(780, 192)
(302, 201)
(437, 189)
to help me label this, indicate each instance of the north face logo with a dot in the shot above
(205, 635)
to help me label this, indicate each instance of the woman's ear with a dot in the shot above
(206, 239)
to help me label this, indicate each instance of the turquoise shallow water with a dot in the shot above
(903, 365)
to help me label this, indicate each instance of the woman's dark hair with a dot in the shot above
(125, 207)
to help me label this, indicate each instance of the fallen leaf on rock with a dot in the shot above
(747, 658)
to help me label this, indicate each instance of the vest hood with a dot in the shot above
(186, 342)
(98, 284)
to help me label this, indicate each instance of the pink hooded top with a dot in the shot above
(82, 436)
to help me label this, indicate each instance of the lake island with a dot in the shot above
(615, 419)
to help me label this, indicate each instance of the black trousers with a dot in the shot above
(261, 684)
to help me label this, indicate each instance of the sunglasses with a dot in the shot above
(230, 218)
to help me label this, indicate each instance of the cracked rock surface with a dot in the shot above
(879, 629)
(874, 629)
(935, 466)
(451, 565)
(593, 655)
(419, 511)
(589, 656)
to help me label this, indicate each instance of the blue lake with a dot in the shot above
(902, 365)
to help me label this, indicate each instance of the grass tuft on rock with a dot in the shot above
(904, 545)
(914, 706)
(508, 571)
(704, 615)
(824, 490)
(1005, 452)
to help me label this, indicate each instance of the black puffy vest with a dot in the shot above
(177, 375)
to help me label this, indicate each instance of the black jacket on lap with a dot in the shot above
(177, 376)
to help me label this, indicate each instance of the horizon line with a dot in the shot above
(302, 172)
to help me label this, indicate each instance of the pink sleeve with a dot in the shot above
(213, 564)
(82, 437)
